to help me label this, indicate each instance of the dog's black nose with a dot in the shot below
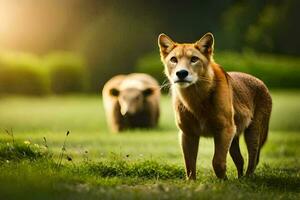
(181, 74)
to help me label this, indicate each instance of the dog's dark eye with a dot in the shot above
(174, 60)
(194, 59)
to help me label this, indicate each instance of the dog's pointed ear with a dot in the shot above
(165, 44)
(206, 44)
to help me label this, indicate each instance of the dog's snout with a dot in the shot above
(182, 74)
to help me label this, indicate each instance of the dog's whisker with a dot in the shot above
(165, 84)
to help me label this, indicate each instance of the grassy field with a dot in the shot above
(134, 165)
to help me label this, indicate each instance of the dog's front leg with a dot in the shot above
(189, 144)
(222, 140)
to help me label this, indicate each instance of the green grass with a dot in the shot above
(134, 165)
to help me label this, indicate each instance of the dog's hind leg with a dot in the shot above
(236, 155)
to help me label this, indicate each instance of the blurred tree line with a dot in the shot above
(113, 35)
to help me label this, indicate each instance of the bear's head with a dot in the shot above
(131, 100)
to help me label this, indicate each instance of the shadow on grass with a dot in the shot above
(281, 179)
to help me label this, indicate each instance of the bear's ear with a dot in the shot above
(114, 92)
(165, 44)
(148, 92)
(206, 44)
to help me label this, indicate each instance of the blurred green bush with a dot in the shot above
(152, 65)
(22, 74)
(67, 73)
(276, 71)
(27, 74)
